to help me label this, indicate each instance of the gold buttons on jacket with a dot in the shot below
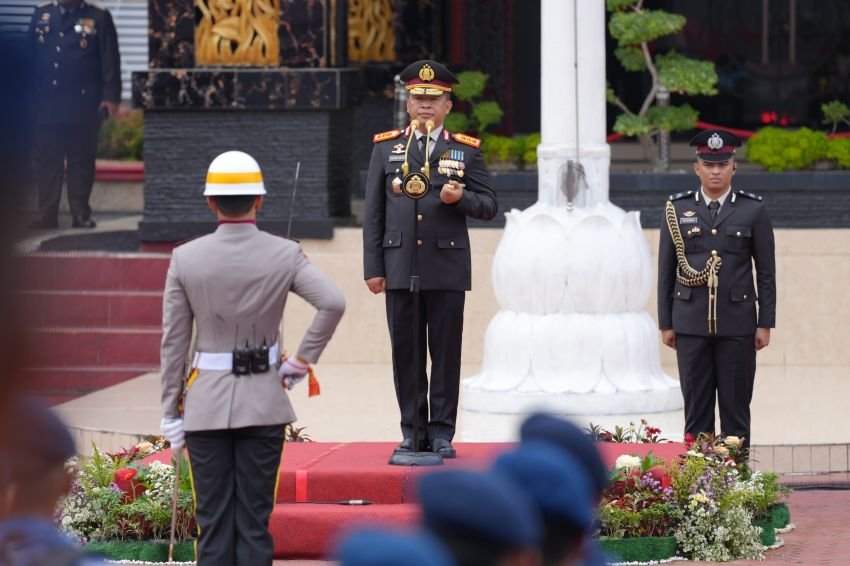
(83, 91)
(714, 231)
(738, 234)
(678, 293)
(419, 242)
(451, 244)
(419, 217)
(745, 296)
(390, 241)
(55, 65)
(55, 82)
(61, 34)
(58, 48)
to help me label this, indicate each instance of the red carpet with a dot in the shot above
(315, 475)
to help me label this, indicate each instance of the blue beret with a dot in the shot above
(483, 505)
(556, 482)
(373, 547)
(571, 440)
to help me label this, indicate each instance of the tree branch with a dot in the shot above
(621, 105)
(650, 98)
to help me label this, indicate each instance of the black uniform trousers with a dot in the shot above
(234, 476)
(725, 364)
(53, 144)
(440, 330)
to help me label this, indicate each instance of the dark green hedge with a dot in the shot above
(780, 516)
(146, 551)
(640, 549)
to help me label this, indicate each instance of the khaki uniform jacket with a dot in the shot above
(231, 283)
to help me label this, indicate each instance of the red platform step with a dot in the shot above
(95, 319)
(307, 519)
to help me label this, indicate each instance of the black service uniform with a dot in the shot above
(444, 267)
(77, 66)
(723, 361)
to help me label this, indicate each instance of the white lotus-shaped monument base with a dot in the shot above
(572, 336)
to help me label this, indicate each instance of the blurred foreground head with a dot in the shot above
(382, 547)
(483, 519)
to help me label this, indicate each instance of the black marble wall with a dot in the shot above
(270, 89)
(180, 145)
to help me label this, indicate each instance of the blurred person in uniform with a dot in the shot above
(461, 189)
(382, 547)
(233, 284)
(483, 519)
(77, 84)
(710, 310)
(560, 487)
(576, 446)
(38, 445)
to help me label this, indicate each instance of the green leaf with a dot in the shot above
(634, 28)
(631, 58)
(839, 152)
(471, 85)
(610, 95)
(486, 114)
(618, 5)
(672, 118)
(456, 122)
(632, 125)
(686, 76)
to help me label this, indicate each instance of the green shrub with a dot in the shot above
(777, 149)
(499, 149)
(121, 137)
(483, 114)
(838, 151)
(640, 549)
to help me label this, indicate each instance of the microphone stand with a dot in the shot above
(415, 457)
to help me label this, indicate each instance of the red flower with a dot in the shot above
(125, 480)
(689, 438)
(607, 437)
(651, 430)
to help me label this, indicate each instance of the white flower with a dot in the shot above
(627, 461)
(733, 441)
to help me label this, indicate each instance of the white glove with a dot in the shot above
(172, 430)
(292, 371)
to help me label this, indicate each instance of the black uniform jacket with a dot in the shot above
(742, 235)
(444, 260)
(77, 64)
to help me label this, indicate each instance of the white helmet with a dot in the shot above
(234, 173)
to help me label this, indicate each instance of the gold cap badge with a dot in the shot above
(426, 73)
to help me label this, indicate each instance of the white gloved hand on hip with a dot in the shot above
(172, 430)
(292, 371)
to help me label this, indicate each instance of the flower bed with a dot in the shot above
(708, 501)
(142, 551)
(119, 503)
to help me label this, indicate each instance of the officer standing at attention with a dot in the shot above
(461, 184)
(233, 284)
(706, 294)
(77, 85)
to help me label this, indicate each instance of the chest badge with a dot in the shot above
(398, 148)
(45, 17)
(689, 213)
(415, 185)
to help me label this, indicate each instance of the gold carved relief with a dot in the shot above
(237, 32)
(370, 30)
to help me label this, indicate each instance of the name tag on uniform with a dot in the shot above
(691, 220)
(396, 158)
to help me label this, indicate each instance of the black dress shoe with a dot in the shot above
(82, 222)
(42, 224)
(443, 447)
(406, 445)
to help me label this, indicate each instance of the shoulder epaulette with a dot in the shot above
(750, 195)
(468, 140)
(384, 136)
(285, 237)
(44, 4)
(683, 194)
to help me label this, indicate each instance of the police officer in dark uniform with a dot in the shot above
(461, 188)
(710, 310)
(77, 84)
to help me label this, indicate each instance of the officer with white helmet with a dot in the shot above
(229, 402)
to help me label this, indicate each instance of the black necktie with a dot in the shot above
(714, 207)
